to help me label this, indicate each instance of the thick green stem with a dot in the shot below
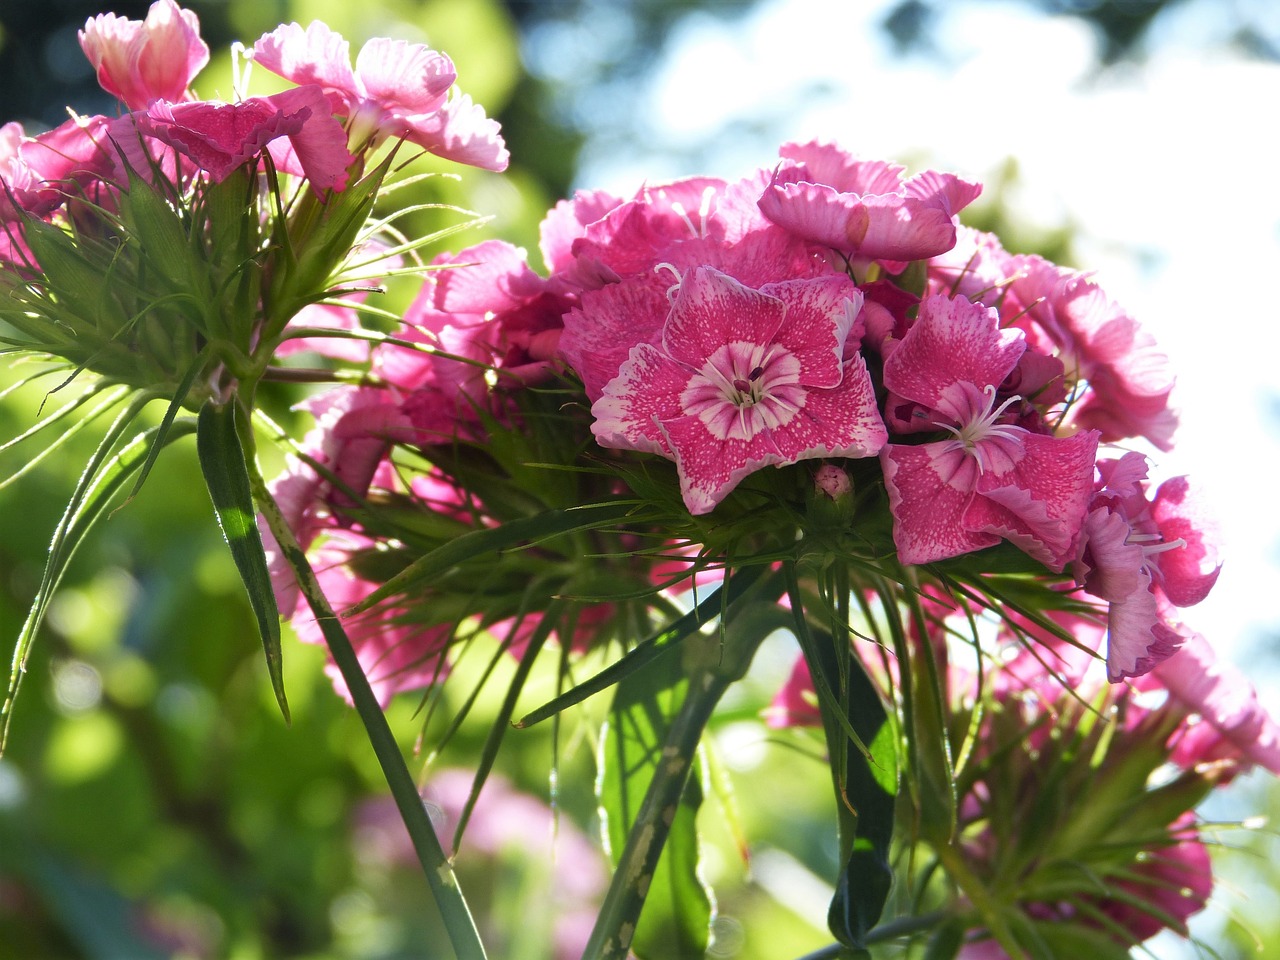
(435, 865)
(711, 667)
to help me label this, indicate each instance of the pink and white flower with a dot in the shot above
(991, 479)
(1142, 556)
(744, 378)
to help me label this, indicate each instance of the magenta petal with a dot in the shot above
(952, 341)
(1234, 724)
(402, 77)
(1137, 636)
(843, 421)
(1188, 573)
(1040, 503)
(820, 315)
(711, 310)
(634, 405)
(460, 131)
(816, 212)
(598, 336)
(709, 467)
(321, 143)
(930, 488)
(491, 276)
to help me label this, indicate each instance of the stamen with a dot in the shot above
(678, 209)
(675, 287)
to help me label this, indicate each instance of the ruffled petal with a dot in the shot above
(952, 341)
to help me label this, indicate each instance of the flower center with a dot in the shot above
(994, 446)
(744, 388)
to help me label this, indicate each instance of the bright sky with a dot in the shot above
(1166, 171)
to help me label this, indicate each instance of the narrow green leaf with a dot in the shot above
(443, 883)
(489, 752)
(933, 766)
(865, 776)
(652, 647)
(227, 477)
(512, 534)
(171, 411)
(635, 752)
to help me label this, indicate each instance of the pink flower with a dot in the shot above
(1230, 723)
(567, 221)
(354, 429)
(864, 208)
(744, 378)
(39, 174)
(397, 89)
(219, 137)
(1134, 554)
(395, 652)
(611, 319)
(152, 59)
(796, 704)
(991, 479)
(1129, 376)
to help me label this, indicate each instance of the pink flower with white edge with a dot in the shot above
(864, 208)
(140, 61)
(991, 480)
(1140, 556)
(219, 137)
(397, 89)
(744, 378)
(1230, 723)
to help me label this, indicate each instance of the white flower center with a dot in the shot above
(744, 388)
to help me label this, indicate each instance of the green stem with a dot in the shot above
(976, 891)
(448, 897)
(712, 667)
(901, 927)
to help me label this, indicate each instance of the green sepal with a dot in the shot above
(495, 540)
(157, 229)
(654, 646)
(227, 477)
(313, 242)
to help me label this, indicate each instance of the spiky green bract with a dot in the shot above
(226, 474)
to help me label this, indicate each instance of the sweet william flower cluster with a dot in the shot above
(809, 398)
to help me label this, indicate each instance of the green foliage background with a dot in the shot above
(152, 801)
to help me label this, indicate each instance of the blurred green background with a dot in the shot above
(153, 803)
